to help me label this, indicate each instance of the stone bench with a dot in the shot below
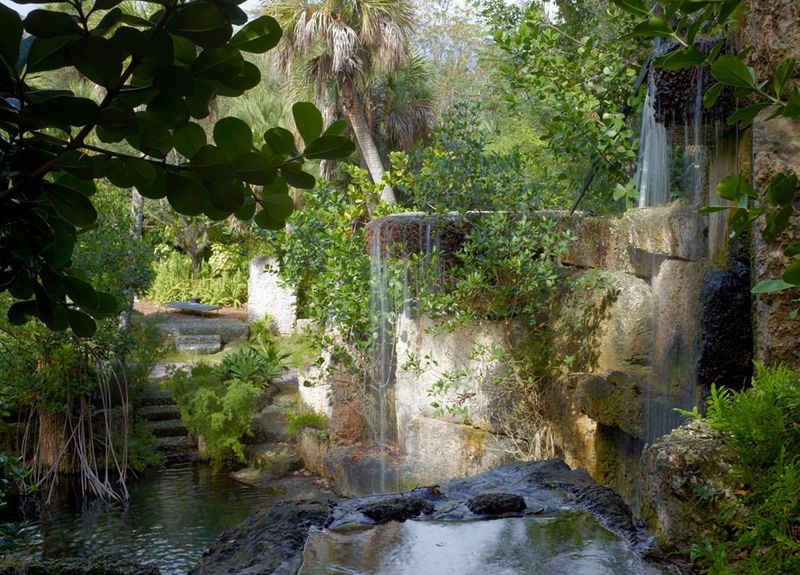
(191, 307)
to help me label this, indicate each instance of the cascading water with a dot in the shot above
(680, 158)
(393, 241)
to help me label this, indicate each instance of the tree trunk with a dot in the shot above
(137, 217)
(369, 151)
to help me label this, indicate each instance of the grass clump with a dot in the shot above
(762, 430)
(300, 419)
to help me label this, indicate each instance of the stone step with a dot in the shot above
(270, 425)
(202, 344)
(175, 443)
(167, 428)
(150, 399)
(160, 412)
(285, 399)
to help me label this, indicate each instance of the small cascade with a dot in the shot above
(652, 177)
(400, 248)
(681, 159)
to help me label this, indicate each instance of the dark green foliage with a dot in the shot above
(685, 22)
(762, 434)
(217, 403)
(154, 76)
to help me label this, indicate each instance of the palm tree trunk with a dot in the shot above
(369, 151)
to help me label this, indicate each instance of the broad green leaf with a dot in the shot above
(20, 312)
(80, 323)
(107, 22)
(80, 292)
(174, 81)
(727, 8)
(214, 163)
(336, 128)
(141, 172)
(280, 141)
(295, 176)
(792, 108)
(637, 7)
(792, 250)
(732, 71)
(186, 195)
(105, 4)
(733, 187)
(171, 110)
(203, 24)
(157, 188)
(782, 189)
(276, 209)
(59, 252)
(791, 275)
(107, 305)
(78, 164)
(119, 120)
(200, 100)
(712, 95)
(154, 139)
(247, 210)
(189, 139)
(654, 27)
(99, 59)
(218, 63)
(49, 24)
(308, 121)
(745, 116)
(254, 168)
(679, 59)
(71, 205)
(782, 74)
(770, 286)
(49, 54)
(258, 36)
(329, 148)
(248, 77)
(228, 198)
(59, 111)
(233, 135)
(11, 35)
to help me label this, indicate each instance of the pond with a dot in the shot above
(570, 542)
(173, 516)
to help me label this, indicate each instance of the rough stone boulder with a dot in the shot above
(395, 509)
(276, 459)
(612, 399)
(496, 504)
(686, 481)
(268, 541)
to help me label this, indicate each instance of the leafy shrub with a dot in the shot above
(762, 429)
(222, 282)
(300, 419)
(217, 403)
(217, 411)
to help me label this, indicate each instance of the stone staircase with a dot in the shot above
(162, 418)
(271, 451)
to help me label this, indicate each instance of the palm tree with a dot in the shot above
(341, 44)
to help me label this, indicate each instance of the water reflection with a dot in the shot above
(173, 516)
(571, 543)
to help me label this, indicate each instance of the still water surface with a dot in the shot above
(571, 543)
(172, 517)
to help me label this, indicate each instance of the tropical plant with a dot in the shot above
(684, 23)
(759, 427)
(152, 76)
(335, 47)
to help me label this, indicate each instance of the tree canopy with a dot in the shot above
(153, 75)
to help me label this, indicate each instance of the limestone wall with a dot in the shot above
(266, 296)
(772, 29)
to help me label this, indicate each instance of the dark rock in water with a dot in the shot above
(496, 504)
(727, 353)
(268, 541)
(396, 509)
(543, 487)
(75, 566)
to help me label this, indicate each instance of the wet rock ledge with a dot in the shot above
(272, 540)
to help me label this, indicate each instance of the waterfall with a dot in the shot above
(652, 177)
(394, 242)
(680, 158)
